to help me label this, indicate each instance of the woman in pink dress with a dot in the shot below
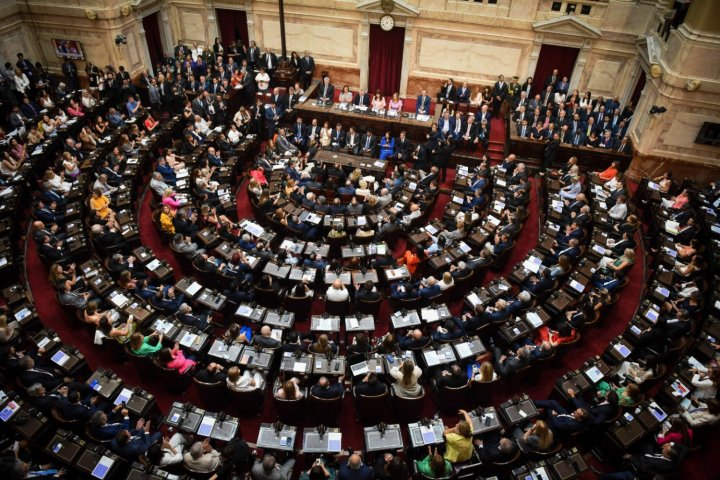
(395, 104)
(175, 359)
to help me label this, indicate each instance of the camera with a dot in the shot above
(120, 39)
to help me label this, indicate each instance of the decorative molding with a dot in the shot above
(567, 25)
(400, 8)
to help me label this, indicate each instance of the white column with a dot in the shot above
(406, 58)
(166, 32)
(534, 55)
(147, 60)
(364, 51)
(579, 65)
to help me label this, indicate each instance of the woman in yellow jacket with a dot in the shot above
(458, 440)
(166, 220)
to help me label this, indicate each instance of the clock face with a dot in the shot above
(387, 23)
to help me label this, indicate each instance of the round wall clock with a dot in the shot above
(387, 23)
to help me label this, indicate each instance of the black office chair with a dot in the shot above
(325, 410)
(408, 410)
(371, 409)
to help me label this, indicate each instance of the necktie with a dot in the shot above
(367, 144)
(270, 62)
(523, 132)
(325, 91)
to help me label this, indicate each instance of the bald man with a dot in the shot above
(337, 292)
(355, 469)
(265, 339)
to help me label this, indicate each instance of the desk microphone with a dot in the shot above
(278, 426)
(381, 428)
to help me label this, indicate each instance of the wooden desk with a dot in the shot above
(589, 158)
(379, 124)
(355, 161)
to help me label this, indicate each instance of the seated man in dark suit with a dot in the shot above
(602, 411)
(362, 99)
(370, 386)
(323, 389)
(42, 401)
(501, 242)
(651, 465)
(102, 429)
(450, 330)
(471, 322)
(132, 444)
(73, 407)
(54, 252)
(48, 214)
(367, 292)
(562, 422)
(455, 377)
(608, 282)
(265, 338)
(571, 250)
(413, 340)
(428, 288)
(493, 448)
(507, 365)
(187, 317)
(538, 284)
(367, 144)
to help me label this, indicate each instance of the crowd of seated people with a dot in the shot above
(299, 182)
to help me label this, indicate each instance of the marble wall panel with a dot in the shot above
(470, 58)
(340, 76)
(329, 41)
(193, 26)
(603, 76)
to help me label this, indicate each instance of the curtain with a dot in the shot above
(386, 56)
(552, 57)
(232, 25)
(152, 39)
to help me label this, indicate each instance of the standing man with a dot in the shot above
(271, 118)
(71, 75)
(500, 91)
(270, 62)
(307, 65)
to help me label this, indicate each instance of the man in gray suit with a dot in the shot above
(268, 469)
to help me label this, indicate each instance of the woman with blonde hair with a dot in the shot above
(537, 438)
(92, 313)
(458, 440)
(146, 345)
(407, 377)
(100, 204)
(482, 374)
(322, 346)
(70, 166)
(55, 182)
(395, 104)
(166, 220)
(289, 390)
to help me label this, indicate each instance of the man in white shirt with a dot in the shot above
(337, 292)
